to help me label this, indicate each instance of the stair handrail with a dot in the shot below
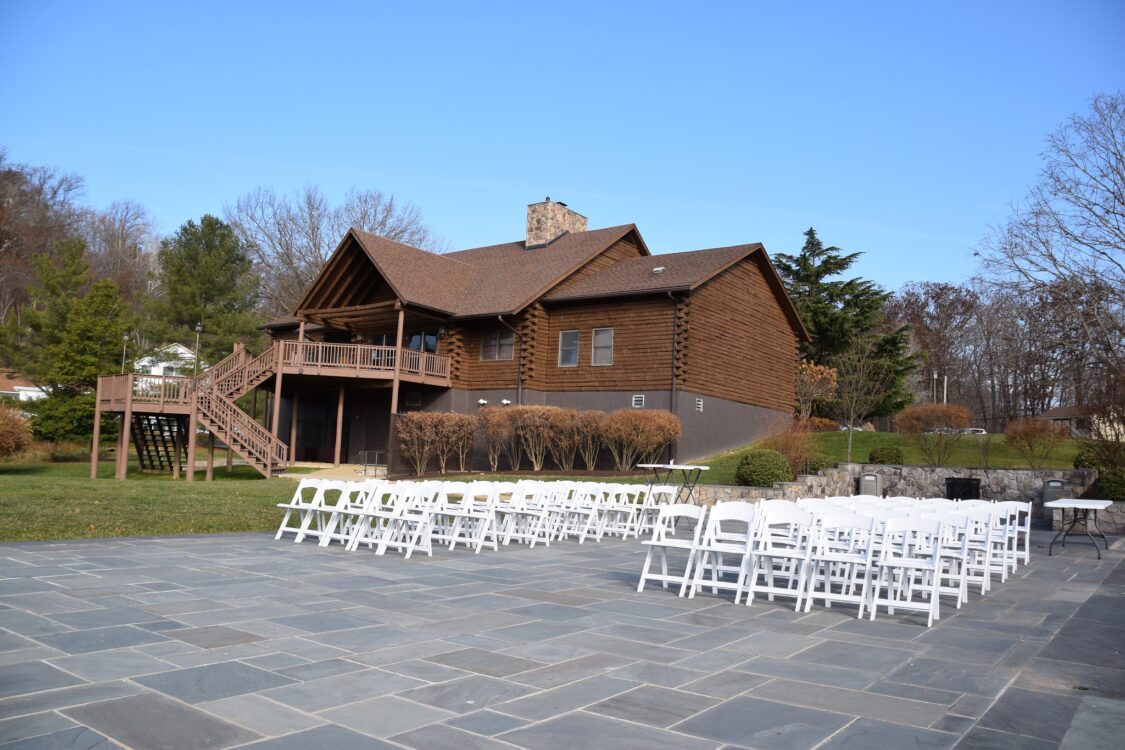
(221, 369)
(256, 440)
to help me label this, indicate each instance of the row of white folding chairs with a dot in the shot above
(782, 548)
(406, 516)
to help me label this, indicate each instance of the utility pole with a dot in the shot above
(124, 346)
(199, 330)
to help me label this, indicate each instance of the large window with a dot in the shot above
(497, 345)
(422, 341)
(568, 349)
(603, 347)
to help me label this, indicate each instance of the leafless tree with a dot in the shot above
(120, 242)
(37, 211)
(862, 383)
(294, 237)
(1068, 238)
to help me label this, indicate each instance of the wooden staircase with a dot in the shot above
(158, 438)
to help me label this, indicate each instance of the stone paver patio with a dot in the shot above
(240, 641)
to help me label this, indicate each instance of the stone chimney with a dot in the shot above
(547, 221)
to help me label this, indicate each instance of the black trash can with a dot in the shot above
(962, 488)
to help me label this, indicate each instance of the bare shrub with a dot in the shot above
(497, 427)
(563, 444)
(797, 447)
(15, 431)
(464, 433)
(416, 438)
(1035, 439)
(590, 437)
(531, 426)
(816, 384)
(452, 434)
(933, 429)
(631, 434)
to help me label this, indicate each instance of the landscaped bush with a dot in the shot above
(762, 467)
(933, 429)
(589, 436)
(531, 428)
(816, 462)
(63, 417)
(564, 437)
(886, 454)
(819, 424)
(797, 447)
(453, 435)
(416, 432)
(633, 434)
(496, 425)
(1035, 439)
(15, 431)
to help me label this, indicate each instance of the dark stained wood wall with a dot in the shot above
(642, 345)
(739, 344)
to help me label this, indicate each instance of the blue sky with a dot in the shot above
(901, 130)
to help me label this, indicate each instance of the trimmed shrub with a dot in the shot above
(797, 447)
(633, 434)
(589, 436)
(816, 462)
(933, 429)
(1087, 457)
(564, 437)
(416, 432)
(496, 424)
(1110, 485)
(15, 431)
(761, 467)
(1035, 439)
(452, 434)
(886, 454)
(531, 428)
(818, 424)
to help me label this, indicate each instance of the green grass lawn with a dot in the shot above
(834, 446)
(59, 501)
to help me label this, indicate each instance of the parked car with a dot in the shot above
(973, 431)
(844, 427)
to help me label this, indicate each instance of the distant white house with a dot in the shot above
(171, 359)
(14, 385)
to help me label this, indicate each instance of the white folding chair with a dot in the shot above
(781, 552)
(306, 499)
(907, 569)
(841, 561)
(474, 518)
(345, 514)
(664, 540)
(728, 534)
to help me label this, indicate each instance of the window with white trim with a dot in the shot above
(497, 345)
(602, 349)
(568, 349)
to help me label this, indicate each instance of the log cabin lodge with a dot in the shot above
(572, 317)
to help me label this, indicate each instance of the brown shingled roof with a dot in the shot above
(680, 272)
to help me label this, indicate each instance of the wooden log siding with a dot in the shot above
(739, 344)
(642, 345)
(477, 374)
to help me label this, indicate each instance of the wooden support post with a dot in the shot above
(97, 431)
(126, 428)
(191, 444)
(177, 446)
(277, 395)
(339, 425)
(398, 362)
(293, 428)
(230, 458)
(254, 404)
(210, 476)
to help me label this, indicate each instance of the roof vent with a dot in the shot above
(658, 269)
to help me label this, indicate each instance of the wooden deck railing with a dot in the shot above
(237, 426)
(361, 358)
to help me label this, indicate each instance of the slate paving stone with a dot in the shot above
(1098, 722)
(585, 730)
(571, 670)
(157, 723)
(25, 727)
(213, 636)
(485, 662)
(322, 622)
(662, 675)
(864, 734)
(565, 697)
(1088, 642)
(317, 695)
(32, 677)
(322, 738)
(76, 738)
(1028, 712)
(385, 716)
(806, 672)
(213, 681)
(979, 738)
(260, 714)
(853, 656)
(725, 684)
(318, 669)
(468, 694)
(753, 722)
(111, 665)
(948, 675)
(486, 722)
(99, 639)
(443, 737)
(656, 706)
(853, 702)
(100, 618)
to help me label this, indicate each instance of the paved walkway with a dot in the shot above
(238, 640)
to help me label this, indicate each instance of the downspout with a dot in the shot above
(519, 360)
(672, 393)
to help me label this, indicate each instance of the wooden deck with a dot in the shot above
(169, 394)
